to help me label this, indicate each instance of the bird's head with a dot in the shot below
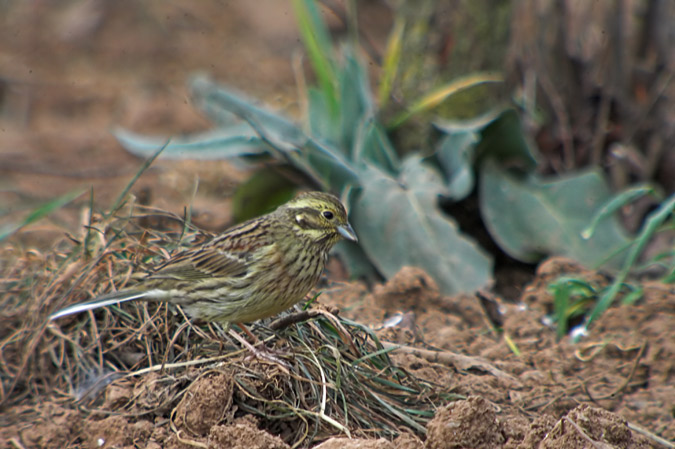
(319, 216)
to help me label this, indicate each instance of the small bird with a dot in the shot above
(252, 271)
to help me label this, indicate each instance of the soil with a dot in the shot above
(72, 71)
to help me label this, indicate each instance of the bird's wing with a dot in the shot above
(205, 262)
(228, 255)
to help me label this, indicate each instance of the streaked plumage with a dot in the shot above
(251, 271)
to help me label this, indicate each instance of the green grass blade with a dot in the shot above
(121, 198)
(623, 198)
(40, 212)
(437, 96)
(392, 58)
(653, 222)
(669, 278)
(634, 294)
(317, 40)
(561, 303)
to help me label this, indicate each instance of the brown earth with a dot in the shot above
(70, 72)
(610, 390)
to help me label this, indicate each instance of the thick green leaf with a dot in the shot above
(320, 118)
(372, 145)
(456, 152)
(399, 225)
(503, 140)
(329, 165)
(355, 103)
(474, 124)
(419, 176)
(317, 158)
(530, 217)
(355, 98)
(222, 143)
(216, 101)
(455, 155)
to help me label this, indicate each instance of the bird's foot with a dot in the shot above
(261, 352)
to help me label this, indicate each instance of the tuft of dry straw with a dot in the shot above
(328, 376)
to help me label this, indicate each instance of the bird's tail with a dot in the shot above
(101, 301)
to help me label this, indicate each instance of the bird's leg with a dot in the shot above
(243, 341)
(251, 335)
(263, 353)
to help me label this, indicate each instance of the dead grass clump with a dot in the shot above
(327, 376)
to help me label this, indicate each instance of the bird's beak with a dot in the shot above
(347, 232)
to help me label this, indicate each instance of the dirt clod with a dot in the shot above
(471, 423)
(115, 431)
(410, 289)
(346, 443)
(587, 426)
(55, 426)
(206, 402)
(243, 434)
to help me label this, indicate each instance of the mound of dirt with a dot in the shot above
(614, 389)
(625, 365)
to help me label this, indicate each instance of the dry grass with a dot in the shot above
(332, 376)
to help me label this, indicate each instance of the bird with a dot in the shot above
(251, 271)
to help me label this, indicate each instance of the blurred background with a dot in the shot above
(546, 88)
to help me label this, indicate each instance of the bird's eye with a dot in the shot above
(328, 214)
